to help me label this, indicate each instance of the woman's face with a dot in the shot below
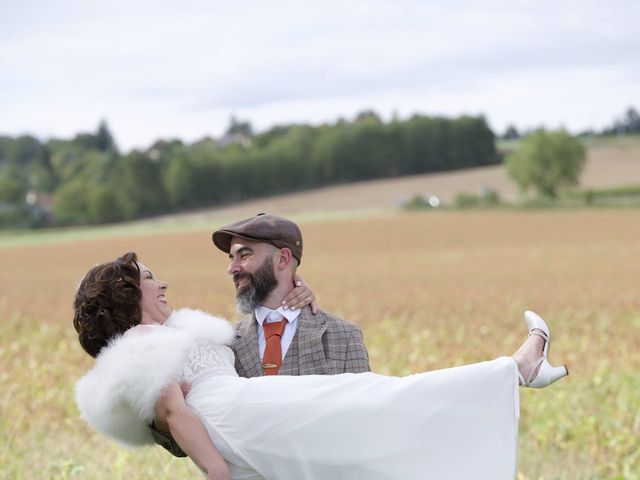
(155, 309)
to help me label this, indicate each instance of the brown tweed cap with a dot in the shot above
(278, 231)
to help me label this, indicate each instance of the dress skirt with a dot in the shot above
(456, 423)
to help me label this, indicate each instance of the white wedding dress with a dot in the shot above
(457, 423)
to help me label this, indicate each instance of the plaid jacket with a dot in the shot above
(325, 345)
(322, 345)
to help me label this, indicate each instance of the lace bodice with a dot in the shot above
(208, 359)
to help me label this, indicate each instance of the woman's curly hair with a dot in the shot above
(107, 303)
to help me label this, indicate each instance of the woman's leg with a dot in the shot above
(528, 355)
(533, 367)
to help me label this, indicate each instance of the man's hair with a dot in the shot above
(107, 302)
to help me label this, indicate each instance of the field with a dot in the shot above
(431, 290)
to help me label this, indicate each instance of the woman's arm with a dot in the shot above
(300, 296)
(174, 414)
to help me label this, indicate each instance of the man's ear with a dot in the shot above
(285, 257)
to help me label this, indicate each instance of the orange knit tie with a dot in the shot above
(272, 359)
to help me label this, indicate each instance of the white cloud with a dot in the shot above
(180, 69)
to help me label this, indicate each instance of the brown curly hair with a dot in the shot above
(107, 302)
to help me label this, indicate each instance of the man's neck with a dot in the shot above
(272, 304)
(274, 300)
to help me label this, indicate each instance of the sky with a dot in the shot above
(161, 69)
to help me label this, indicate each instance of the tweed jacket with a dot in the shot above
(322, 345)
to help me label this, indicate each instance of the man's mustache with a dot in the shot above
(238, 277)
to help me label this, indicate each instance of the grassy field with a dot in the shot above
(431, 290)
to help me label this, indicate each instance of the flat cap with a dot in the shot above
(278, 231)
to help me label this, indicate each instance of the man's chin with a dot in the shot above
(244, 301)
(242, 306)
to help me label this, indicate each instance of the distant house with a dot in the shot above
(238, 133)
(235, 137)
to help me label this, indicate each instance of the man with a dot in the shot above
(264, 253)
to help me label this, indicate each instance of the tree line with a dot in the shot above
(626, 124)
(86, 180)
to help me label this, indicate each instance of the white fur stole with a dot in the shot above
(118, 395)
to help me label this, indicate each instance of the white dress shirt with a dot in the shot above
(289, 329)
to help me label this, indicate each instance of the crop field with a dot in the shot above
(430, 290)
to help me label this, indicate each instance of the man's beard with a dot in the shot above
(260, 286)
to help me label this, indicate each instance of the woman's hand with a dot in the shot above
(300, 296)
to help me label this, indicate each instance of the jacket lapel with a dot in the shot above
(246, 347)
(311, 357)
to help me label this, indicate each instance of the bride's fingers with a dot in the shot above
(300, 300)
(299, 297)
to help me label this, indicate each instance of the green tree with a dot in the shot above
(70, 203)
(103, 205)
(629, 123)
(136, 183)
(92, 182)
(104, 139)
(547, 161)
(11, 188)
(25, 165)
(178, 179)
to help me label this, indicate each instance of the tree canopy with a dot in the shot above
(86, 179)
(628, 123)
(547, 161)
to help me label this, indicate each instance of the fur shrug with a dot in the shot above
(117, 396)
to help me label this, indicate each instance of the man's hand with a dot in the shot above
(300, 296)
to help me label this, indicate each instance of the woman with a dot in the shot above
(454, 423)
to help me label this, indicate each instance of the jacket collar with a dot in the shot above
(311, 328)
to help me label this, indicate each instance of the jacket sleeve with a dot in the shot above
(166, 441)
(357, 357)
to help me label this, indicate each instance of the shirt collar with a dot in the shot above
(261, 313)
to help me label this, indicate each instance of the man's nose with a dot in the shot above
(233, 268)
